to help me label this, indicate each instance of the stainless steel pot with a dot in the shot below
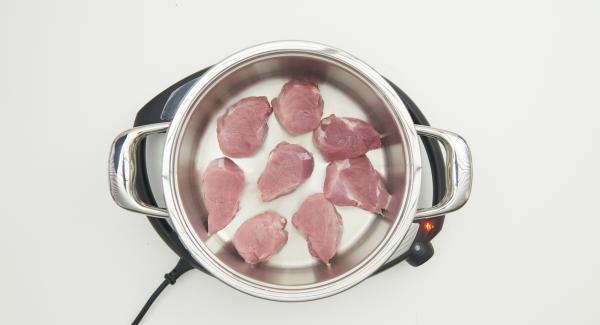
(349, 88)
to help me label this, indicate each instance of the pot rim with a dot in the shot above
(200, 252)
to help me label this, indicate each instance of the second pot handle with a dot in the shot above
(459, 172)
(123, 169)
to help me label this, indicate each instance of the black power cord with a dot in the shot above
(170, 278)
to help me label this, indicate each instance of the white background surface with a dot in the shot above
(518, 79)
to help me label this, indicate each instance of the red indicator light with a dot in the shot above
(428, 225)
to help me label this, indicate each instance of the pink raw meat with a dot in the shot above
(318, 220)
(261, 237)
(299, 106)
(222, 184)
(288, 166)
(243, 128)
(354, 182)
(344, 137)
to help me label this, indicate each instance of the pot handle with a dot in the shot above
(123, 169)
(459, 172)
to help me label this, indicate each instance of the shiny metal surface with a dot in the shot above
(122, 169)
(349, 88)
(357, 223)
(459, 172)
(407, 241)
(292, 279)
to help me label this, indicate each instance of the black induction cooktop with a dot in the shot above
(161, 109)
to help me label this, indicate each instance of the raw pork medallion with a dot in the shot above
(222, 185)
(354, 182)
(345, 137)
(261, 237)
(320, 223)
(241, 131)
(299, 106)
(288, 166)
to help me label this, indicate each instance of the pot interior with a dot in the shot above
(347, 94)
